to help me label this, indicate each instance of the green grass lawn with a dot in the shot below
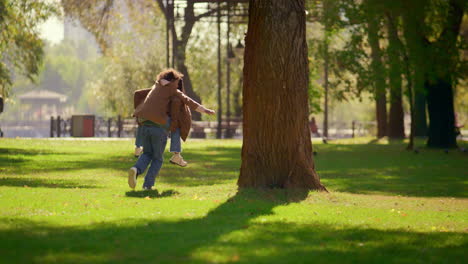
(65, 201)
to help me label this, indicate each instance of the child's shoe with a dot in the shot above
(178, 160)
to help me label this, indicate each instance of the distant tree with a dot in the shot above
(21, 49)
(276, 150)
(99, 17)
(432, 34)
(323, 55)
(396, 128)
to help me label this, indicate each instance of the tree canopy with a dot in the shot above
(21, 48)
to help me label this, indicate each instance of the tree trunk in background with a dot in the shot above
(442, 115)
(277, 149)
(439, 80)
(236, 98)
(378, 77)
(180, 50)
(179, 44)
(188, 87)
(413, 20)
(420, 115)
(396, 128)
(325, 86)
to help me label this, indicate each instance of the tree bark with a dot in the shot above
(276, 150)
(396, 129)
(378, 76)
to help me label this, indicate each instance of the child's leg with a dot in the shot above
(176, 146)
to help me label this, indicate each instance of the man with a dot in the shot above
(152, 114)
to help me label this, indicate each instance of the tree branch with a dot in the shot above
(163, 9)
(454, 19)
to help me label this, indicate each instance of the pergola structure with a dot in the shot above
(42, 101)
(191, 11)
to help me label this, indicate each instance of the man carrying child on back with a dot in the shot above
(152, 114)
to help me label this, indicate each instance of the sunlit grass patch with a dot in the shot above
(65, 201)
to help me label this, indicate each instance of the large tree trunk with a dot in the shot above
(378, 76)
(396, 128)
(277, 150)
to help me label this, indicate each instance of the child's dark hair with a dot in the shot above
(181, 85)
(170, 75)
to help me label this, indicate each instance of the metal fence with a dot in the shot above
(126, 127)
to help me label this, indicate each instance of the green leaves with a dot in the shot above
(21, 49)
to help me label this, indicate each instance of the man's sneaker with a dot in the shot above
(138, 151)
(147, 188)
(132, 175)
(178, 160)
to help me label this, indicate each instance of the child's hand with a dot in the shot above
(209, 111)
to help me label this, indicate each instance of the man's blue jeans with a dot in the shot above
(154, 142)
(175, 139)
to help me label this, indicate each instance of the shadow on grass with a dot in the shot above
(233, 232)
(56, 183)
(151, 193)
(27, 152)
(33, 161)
(209, 166)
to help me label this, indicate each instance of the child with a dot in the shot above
(180, 123)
